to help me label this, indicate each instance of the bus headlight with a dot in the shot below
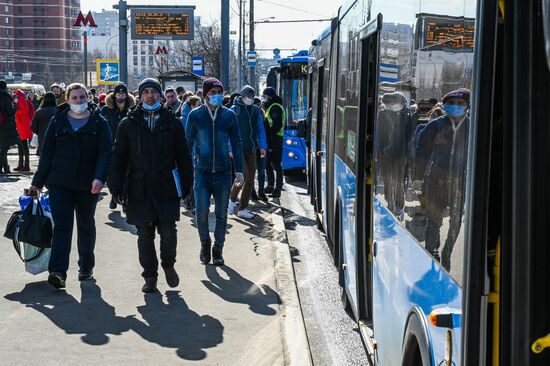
(289, 142)
(290, 154)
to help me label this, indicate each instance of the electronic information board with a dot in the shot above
(445, 33)
(162, 23)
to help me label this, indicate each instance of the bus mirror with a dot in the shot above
(546, 28)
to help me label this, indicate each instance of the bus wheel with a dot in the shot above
(415, 344)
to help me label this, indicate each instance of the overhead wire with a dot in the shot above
(293, 8)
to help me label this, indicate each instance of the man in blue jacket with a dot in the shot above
(208, 130)
(251, 127)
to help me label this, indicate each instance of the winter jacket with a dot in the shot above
(74, 159)
(175, 108)
(61, 99)
(441, 153)
(24, 115)
(8, 130)
(251, 126)
(113, 114)
(275, 142)
(185, 110)
(208, 135)
(146, 159)
(40, 122)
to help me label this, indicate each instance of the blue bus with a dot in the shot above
(436, 224)
(290, 81)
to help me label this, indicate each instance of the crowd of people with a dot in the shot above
(153, 148)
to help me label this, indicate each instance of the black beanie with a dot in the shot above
(149, 83)
(120, 88)
(3, 84)
(270, 92)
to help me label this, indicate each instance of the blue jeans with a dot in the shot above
(64, 202)
(208, 185)
(260, 167)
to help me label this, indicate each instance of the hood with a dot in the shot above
(110, 101)
(19, 93)
(276, 99)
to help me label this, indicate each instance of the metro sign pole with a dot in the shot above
(85, 23)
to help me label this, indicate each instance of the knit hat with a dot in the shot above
(48, 100)
(210, 83)
(248, 92)
(462, 93)
(270, 92)
(149, 83)
(55, 85)
(101, 97)
(121, 88)
(3, 84)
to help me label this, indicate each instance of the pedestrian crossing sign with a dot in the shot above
(107, 71)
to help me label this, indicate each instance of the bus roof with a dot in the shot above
(300, 57)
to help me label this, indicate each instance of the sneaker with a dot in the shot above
(269, 189)
(263, 197)
(57, 280)
(172, 278)
(217, 256)
(85, 275)
(150, 285)
(245, 214)
(276, 193)
(205, 255)
(112, 204)
(231, 208)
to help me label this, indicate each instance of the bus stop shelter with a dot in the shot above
(184, 78)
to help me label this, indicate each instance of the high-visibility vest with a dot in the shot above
(270, 120)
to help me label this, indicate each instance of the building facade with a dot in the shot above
(38, 37)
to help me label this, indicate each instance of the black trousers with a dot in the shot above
(64, 203)
(146, 246)
(23, 150)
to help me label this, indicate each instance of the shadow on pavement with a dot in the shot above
(92, 317)
(238, 289)
(292, 220)
(119, 222)
(174, 325)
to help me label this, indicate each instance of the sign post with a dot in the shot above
(107, 71)
(85, 23)
(197, 66)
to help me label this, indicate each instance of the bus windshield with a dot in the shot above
(293, 93)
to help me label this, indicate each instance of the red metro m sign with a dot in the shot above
(87, 21)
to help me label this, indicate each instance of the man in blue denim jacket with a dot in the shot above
(208, 129)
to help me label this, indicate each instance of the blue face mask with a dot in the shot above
(454, 110)
(216, 100)
(153, 107)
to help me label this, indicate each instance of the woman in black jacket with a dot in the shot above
(42, 118)
(8, 131)
(73, 165)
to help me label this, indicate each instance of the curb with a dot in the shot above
(296, 345)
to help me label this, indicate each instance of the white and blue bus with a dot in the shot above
(290, 81)
(440, 264)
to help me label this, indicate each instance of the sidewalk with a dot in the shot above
(244, 313)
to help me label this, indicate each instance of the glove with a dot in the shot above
(118, 197)
(239, 179)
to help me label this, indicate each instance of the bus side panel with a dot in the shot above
(405, 276)
(345, 181)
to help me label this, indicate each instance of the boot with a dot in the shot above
(19, 166)
(150, 285)
(269, 189)
(217, 255)
(25, 168)
(205, 251)
(172, 278)
(276, 193)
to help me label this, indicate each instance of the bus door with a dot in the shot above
(367, 115)
(316, 141)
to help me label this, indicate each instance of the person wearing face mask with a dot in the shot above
(208, 130)
(73, 165)
(251, 128)
(444, 141)
(392, 137)
(150, 148)
(276, 116)
(117, 105)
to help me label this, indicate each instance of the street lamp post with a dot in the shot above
(107, 45)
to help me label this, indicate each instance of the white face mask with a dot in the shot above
(248, 101)
(395, 107)
(79, 108)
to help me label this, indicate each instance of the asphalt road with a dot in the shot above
(333, 336)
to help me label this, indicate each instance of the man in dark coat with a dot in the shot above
(276, 117)
(150, 148)
(444, 145)
(42, 118)
(8, 130)
(117, 105)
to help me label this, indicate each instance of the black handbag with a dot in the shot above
(11, 226)
(35, 228)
